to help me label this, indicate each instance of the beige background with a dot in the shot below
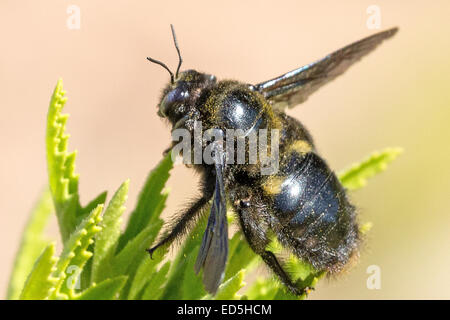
(398, 96)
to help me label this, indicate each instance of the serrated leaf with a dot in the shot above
(32, 244)
(40, 281)
(106, 240)
(105, 290)
(357, 175)
(150, 203)
(228, 290)
(63, 181)
(75, 255)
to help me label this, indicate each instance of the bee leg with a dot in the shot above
(186, 220)
(255, 230)
(183, 224)
(271, 260)
(169, 149)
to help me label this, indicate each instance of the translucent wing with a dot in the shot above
(214, 249)
(294, 87)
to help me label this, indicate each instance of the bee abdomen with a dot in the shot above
(311, 205)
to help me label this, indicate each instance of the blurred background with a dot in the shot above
(397, 96)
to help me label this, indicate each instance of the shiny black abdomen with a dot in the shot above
(317, 218)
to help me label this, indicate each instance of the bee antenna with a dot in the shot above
(164, 66)
(180, 60)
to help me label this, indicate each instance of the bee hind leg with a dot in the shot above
(271, 260)
(255, 230)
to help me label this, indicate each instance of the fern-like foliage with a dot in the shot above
(99, 261)
(357, 175)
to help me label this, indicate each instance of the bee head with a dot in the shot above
(181, 93)
(180, 97)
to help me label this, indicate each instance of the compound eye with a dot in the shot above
(174, 98)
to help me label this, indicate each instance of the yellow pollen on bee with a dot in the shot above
(300, 146)
(273, 185)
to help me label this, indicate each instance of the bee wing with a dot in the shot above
(294, 87)
(214, 249)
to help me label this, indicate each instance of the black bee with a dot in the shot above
(303, 204)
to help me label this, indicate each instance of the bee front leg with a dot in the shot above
(169, 149)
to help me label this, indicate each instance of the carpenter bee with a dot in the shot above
(302, 203)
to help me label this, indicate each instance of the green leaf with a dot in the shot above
(32, 244)
(298, 269)
(144, 274)
(61, 165)
(86, 275)
(356, 176)
(183, 267)
(128, 258)
(173, 288)
(191, 286)
(269, 289)
(228, 290)
(106, 240)
(183, 283)
(100, 199)
(105, 290)
(284, 294)
(241, 256)
(150, 203)
(75, 255)
(263, 289)
(40, 280)
(153, 289)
